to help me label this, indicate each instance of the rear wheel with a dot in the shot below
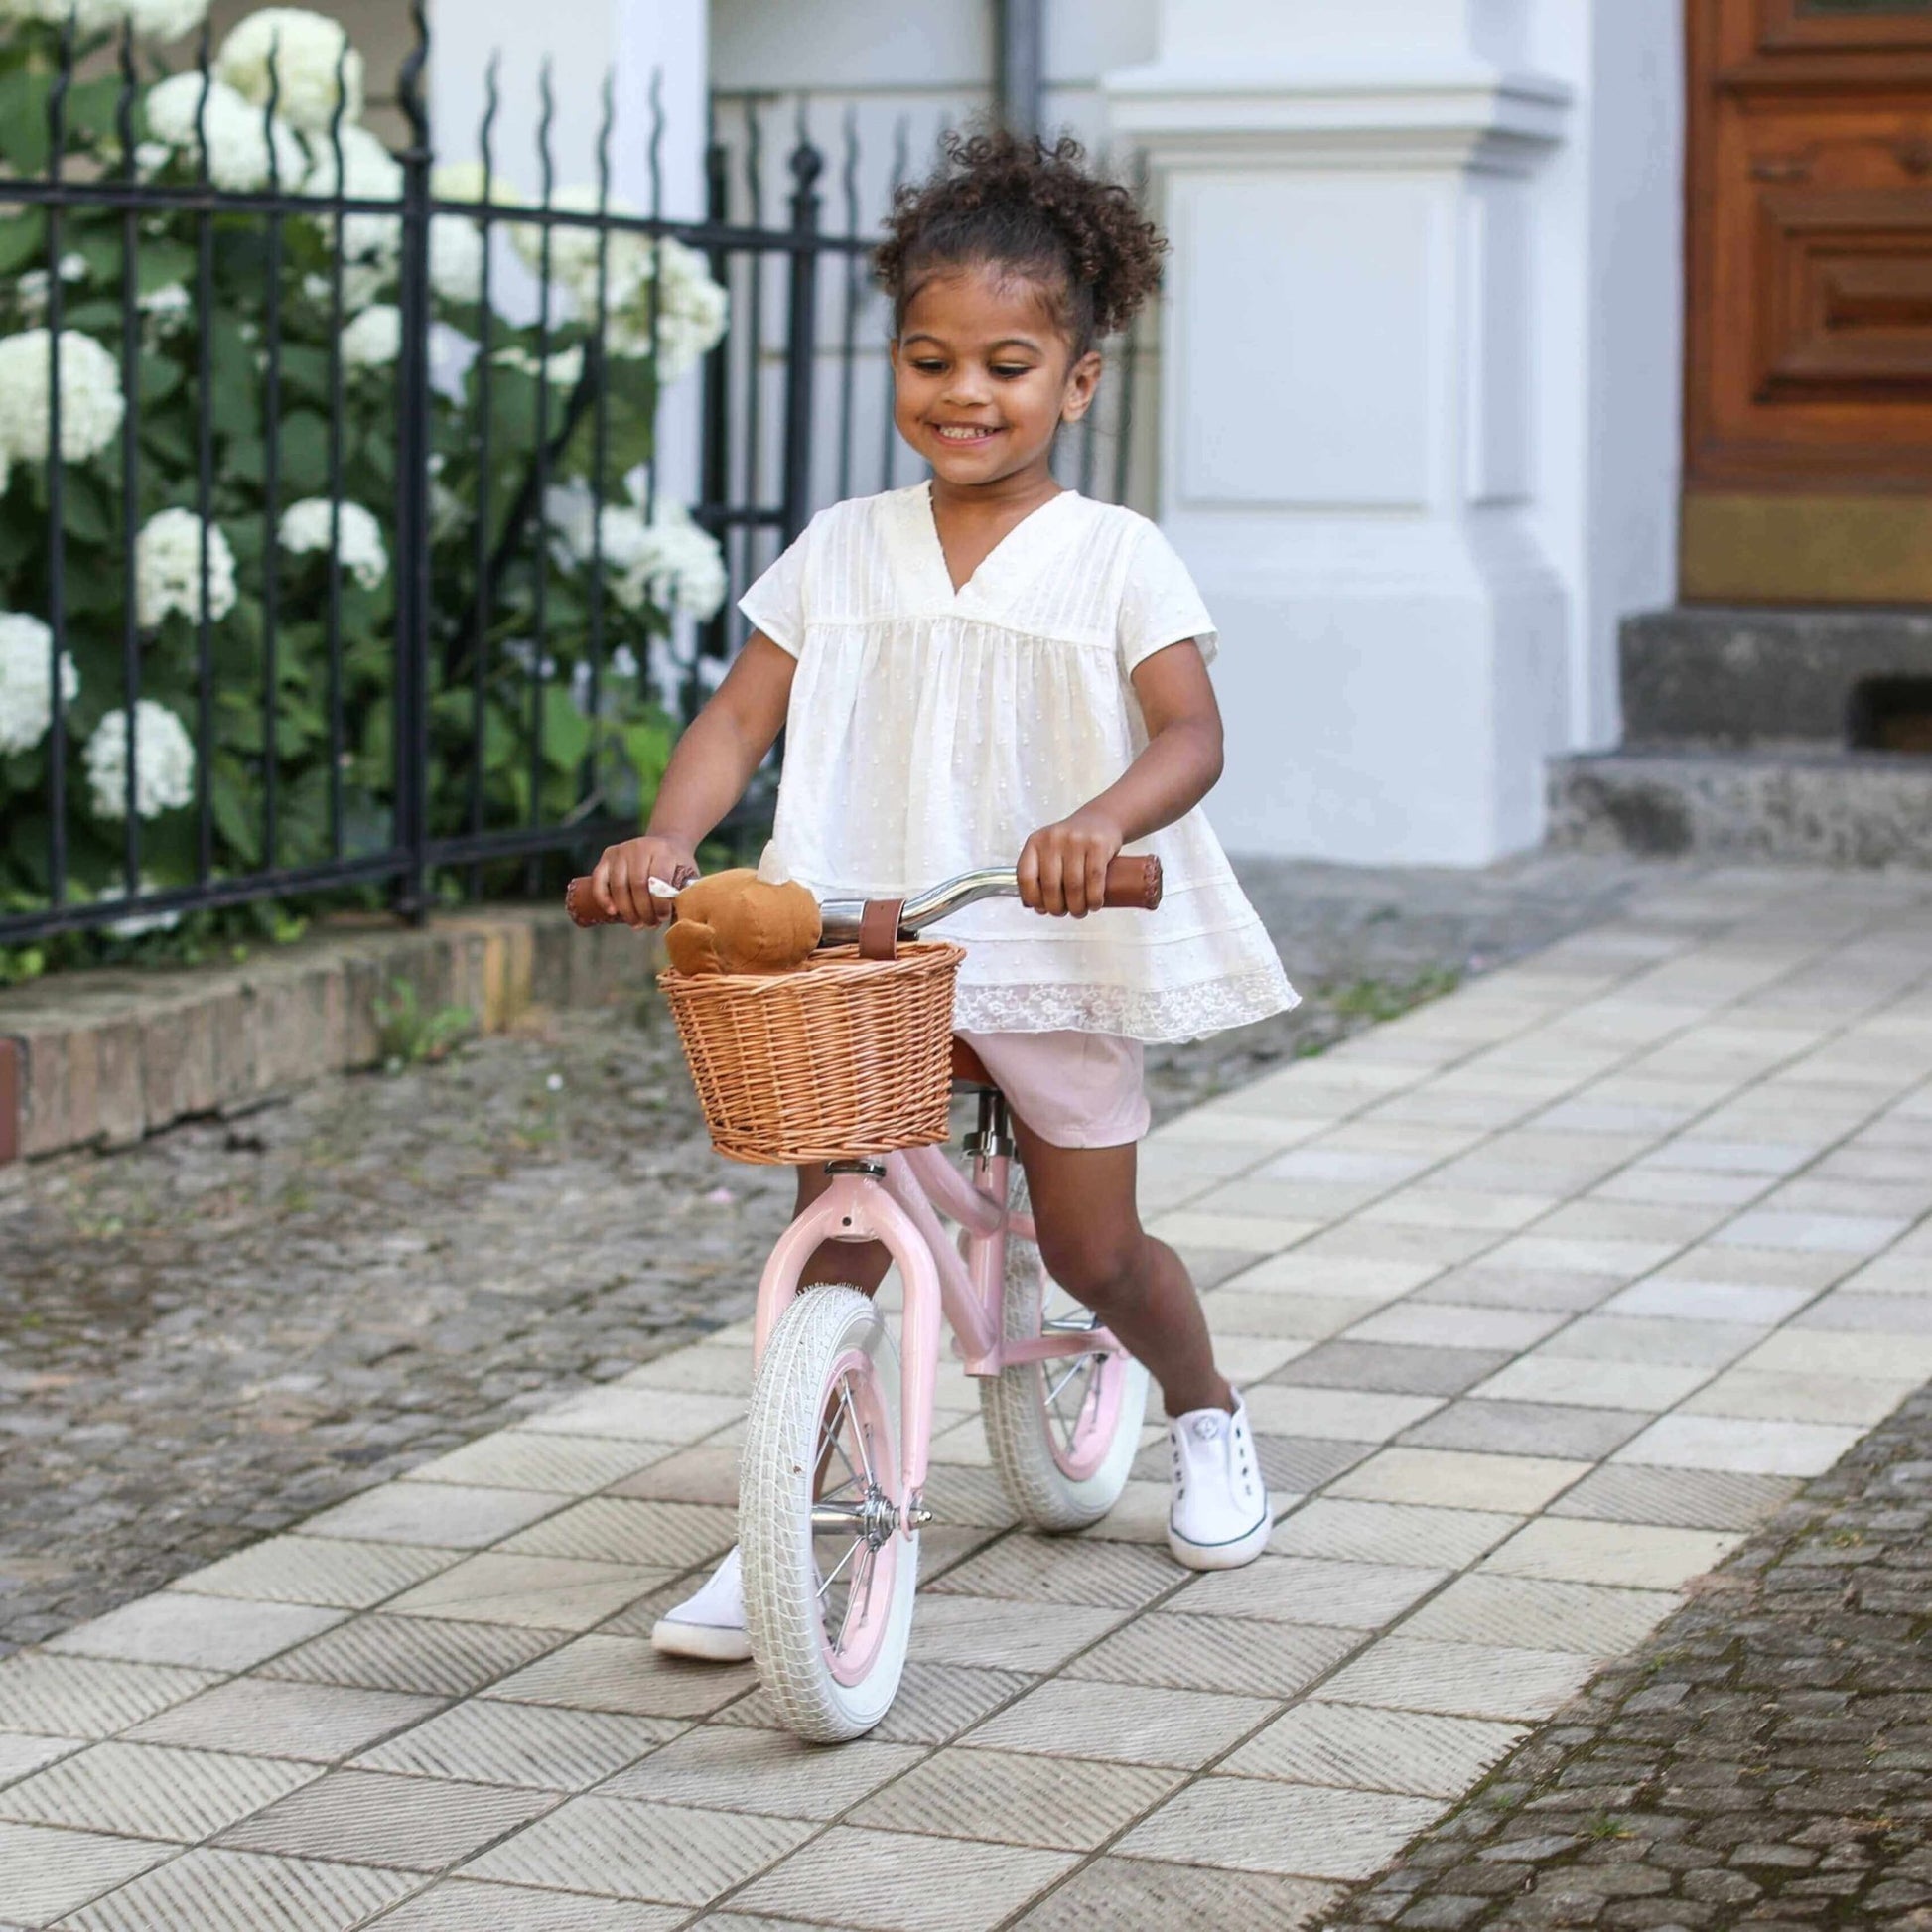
(1063, 1432)
(829, 1578)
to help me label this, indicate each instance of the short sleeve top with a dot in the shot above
(930, 731)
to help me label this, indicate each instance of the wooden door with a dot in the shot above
(1808, 409)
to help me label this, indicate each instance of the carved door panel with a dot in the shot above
(1808, 460)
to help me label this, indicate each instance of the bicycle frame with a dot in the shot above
(897, 1200)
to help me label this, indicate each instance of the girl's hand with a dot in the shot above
(621, 880)
(1063, 868)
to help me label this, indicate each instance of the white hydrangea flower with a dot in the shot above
(307, 48)
(164, 20)
(305, 529)
(374, 339)
(91, 404)
(163, 763)
(165, 309)
(565, 367)
(30, 288)
(370, 171)
(168, 569)
(678, 566)
(456, 259)
(240, 139)
(26, 688)
(136, 923)
(691, 311)
(669, 561)
(158, 20)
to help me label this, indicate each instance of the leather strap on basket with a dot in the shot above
(878, 928)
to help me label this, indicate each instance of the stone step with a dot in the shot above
(1712, 676)
(1844, 808)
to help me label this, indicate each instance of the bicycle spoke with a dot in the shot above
(832, 1575)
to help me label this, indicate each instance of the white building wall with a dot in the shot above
(1421, 387)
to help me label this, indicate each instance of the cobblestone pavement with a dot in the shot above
(1544, 1297)
(213, 1333)
(1761, 1761)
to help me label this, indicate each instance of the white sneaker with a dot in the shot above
(1219, 1517)
(711, 1624)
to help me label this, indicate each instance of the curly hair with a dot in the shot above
(1014, 203)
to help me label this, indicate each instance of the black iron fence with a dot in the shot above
(338, 550)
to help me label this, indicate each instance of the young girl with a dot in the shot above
(984, 665)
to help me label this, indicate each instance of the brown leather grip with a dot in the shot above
(1134, 884)
(878, 928)
(582, 905)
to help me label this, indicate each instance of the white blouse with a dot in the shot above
(931, 731)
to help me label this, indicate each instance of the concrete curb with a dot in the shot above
(103, 1058)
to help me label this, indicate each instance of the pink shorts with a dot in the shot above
(1072, 1089)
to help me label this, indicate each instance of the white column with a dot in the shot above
(1348, 458)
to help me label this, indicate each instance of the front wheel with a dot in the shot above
(828, 1575)
(1063, 1432)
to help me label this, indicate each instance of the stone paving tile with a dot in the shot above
(935, 1703)
(536, 1592)
(1113, 1892)
(623, 1674)
(1360, 1748)
(317, 1570)
(994, 1633)
(1453, 1325)
(1531, 1613)
(1303, 1590)
(46, 1873)
(1405, 1534)
(624, 1850)
(1459, 1479)
(262, 1717)
(1217, 1653)
(150, 1791)
(1641, 1339)
(1071, 1804)
(1385, 1367)
(769, 1771)
(87, 1697)
(1789, 1397)
(890, 1882)
(1115, 1575)
(372, 1818)
(1699, 1499)
(1459, 1680)
(1749, 1447)
(457, 1516)
(1126, 1723)
(198, 1632)
(542, 1746)
(20, 1754)
(1635, 1556)
(467, 1905)
(704, 1475)
(645, 1415)
(1619, 1387)
(417, 1654)
(611, 1529)
(1307, 1831)
(526, 1459)
(1561, 1429)
(1347, 1415)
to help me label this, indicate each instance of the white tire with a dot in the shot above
(828, 1615)
(1056, 1476)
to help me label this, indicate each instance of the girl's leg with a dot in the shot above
(1093, 1245)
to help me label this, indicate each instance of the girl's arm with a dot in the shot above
(1063, 868)
(709, 769)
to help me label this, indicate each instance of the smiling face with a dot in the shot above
(983, 379)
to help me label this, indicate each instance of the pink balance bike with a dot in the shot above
(837, 1442)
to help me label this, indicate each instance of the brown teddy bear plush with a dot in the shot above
(737, 922)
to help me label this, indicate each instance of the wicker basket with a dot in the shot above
(847, 1055)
